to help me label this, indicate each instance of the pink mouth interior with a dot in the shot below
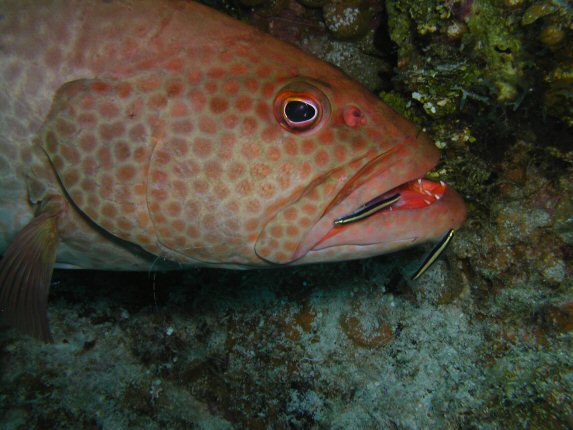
(415, 194)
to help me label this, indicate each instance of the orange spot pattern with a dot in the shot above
(102, 165)
(190, 162)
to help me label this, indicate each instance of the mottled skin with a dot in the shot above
(156, 129)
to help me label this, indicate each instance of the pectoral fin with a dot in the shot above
(25, 273)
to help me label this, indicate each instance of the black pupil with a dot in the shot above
(297, 111)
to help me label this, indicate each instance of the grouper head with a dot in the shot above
(241, 150)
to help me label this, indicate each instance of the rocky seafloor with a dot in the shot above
(483, 340)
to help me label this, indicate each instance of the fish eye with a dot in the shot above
(299, 112)
(301, 108)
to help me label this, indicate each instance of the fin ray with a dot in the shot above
(25, 273)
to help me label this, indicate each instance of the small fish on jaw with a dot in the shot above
(368, 209)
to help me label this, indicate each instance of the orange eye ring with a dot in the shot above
(301, 108)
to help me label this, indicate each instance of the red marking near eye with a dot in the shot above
(353, 116)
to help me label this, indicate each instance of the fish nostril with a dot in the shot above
(353, 117)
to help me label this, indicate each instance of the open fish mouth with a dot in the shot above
(412, 212)
(413, 194)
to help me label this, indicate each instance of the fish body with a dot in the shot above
(134, 132)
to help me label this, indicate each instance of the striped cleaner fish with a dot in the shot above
(138, 133)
